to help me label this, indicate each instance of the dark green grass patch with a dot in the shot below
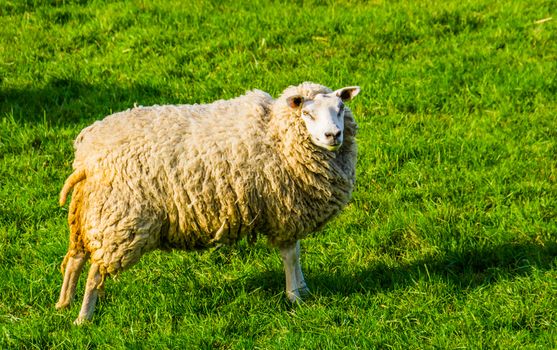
(449, 242)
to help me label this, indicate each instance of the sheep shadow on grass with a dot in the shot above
(466, 270)
(64, 101)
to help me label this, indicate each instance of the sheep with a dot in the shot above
(195, 176)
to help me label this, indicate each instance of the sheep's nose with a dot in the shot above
(333, 135)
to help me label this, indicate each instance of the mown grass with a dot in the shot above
(449, 242)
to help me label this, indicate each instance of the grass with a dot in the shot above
(449, 242)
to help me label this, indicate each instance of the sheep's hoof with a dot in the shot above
(304, 290)
(80, 321)
(294, 297)
(60, 305)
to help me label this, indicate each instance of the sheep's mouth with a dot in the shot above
(334, 147)
(329, 146)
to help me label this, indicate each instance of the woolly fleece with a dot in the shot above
(191, 176)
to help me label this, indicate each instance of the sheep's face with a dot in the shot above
(323, 116)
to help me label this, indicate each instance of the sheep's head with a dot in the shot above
(323, 115)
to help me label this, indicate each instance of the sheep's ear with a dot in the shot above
(348, 93)
(295, 101)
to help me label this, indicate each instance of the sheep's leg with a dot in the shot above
(302, 286)
(74, 265)
(295, 283)
(94, 284)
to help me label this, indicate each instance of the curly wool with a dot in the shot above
(190, 176)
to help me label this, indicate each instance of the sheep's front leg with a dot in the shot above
(295, 284)
(302, 287)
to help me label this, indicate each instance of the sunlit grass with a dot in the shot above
(449, 242)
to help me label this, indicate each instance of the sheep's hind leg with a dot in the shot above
(94, 285)
(295, 284)
(74, 265)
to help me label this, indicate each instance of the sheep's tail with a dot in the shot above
(76, 177)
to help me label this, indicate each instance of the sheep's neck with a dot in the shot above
(308, 183)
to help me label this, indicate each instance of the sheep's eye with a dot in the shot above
(307, 114)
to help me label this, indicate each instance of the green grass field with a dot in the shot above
(450, 241)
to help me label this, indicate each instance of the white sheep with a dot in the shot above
(191, 176)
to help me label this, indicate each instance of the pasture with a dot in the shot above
(450, 240)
